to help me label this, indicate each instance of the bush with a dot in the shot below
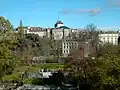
(36, 81)
(51, 66)
(27, 81)
(33, 69)
(12, 77)
(32, 81)
(51, 61)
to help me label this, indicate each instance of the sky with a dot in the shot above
(73, 13)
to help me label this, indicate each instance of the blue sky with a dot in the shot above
(44, 13)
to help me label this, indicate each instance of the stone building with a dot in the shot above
(68, 46)
(42, 32)
(65, 34)
(109, 37)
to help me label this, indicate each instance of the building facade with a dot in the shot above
(68, 46)
(61, 32)
(36, 30)
(109, 37)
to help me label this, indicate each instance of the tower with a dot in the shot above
(20, 27)
(20, 23)
(59, 24)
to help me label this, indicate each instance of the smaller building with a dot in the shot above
(42, 32)
(68, 46)
(109, 37)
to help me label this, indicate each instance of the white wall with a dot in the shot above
(40, 33)
(67, 46)
(57, 34)
(109, 38)
(59, 25)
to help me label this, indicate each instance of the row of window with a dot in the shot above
(70, 44)
(110, 41)
(70, 47)
(108, 35)
(66, 51)
(109, 38)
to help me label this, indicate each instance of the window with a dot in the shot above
(75, 44)
(108, 40)
(67, 46)
(67, 51)
(64, 51)
(112, 40)
(72, 44)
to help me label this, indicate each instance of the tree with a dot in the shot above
(91, 27)
(108, 49)
(74, 35)
(5, 25)
(109, 67)
(8, 41)
(27, 55)
(25, 51)
(21, 30)
(94, 36)
(102, 73)
(35, 42)
(82, 68)
(33, 46)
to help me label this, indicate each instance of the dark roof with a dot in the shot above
(64, 27)
(59, 22)
(37, 29)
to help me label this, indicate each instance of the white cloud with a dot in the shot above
(92, 12)
(113, 3)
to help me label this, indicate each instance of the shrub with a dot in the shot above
(27, 81)
(33, 81)
(12, 77)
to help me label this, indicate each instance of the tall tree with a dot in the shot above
(5, 24)
(81, 68)
(93, 35)
(8, 41)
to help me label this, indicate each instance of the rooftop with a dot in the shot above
(64, 27)
(59, 22)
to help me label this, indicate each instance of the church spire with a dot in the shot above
(20, 23)
(58, 16)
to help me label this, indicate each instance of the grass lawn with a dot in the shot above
(54, 66)
(17, 72)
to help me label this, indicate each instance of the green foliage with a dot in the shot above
(36, 81)
(38, 46)
(8, 41)
(12, 77)
(5, 25)
(32, 81)
(103, 73)
(110, 68)
(108, 49)
(27, 81)
(51, 66)
(33, 69)
(51, 60)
